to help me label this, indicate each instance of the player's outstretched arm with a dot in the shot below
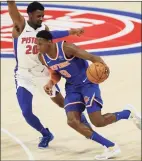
(60, 34)
(15, 15)
(73, 50)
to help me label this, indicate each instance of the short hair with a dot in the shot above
(44, 34)
(34, 6)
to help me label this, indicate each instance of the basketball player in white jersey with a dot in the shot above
(29, 72)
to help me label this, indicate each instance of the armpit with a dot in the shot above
(17, 28)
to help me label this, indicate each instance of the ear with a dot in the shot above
(50, 41)
(30, 15)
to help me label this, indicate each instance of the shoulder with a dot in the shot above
(69, 47)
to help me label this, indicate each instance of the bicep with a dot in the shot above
(83, 54)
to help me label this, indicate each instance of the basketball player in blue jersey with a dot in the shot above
(28, 67)
(70, 62)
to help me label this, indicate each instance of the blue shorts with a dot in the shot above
(79, 98)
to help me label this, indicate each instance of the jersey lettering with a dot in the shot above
(31, 49)
(65, 73)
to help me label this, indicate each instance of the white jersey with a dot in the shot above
(29, 72)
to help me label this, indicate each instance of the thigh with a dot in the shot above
(24, 98)
(95, 113)
(26, 83)
(74, 116)
(74, 102)
(92, 97)
(58, 99)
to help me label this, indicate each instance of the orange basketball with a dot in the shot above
(97, 72)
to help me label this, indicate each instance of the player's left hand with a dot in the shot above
(77, 32)
(48, 87)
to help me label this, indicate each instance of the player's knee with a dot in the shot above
(74, 123)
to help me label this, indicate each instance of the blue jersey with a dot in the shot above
(80, 92)
(72, 69)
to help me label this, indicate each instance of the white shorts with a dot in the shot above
(33, 81)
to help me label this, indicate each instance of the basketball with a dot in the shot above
(97, 72)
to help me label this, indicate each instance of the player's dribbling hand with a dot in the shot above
(77, 32)
(48, 87)
(106, 68)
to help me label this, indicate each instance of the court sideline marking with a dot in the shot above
(18, 141)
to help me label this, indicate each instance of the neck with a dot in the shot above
(52, 53)
(32, 25)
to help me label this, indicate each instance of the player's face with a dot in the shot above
(37, 17)
(43, 45)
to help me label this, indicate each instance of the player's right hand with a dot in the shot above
(48, 87)
(107, 70)
(78, 31)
